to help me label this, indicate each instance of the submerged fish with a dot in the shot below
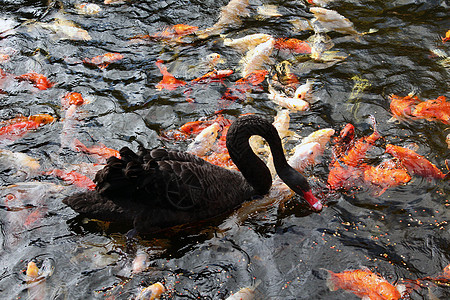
(293, 45)
(321, 42)
(21, 126)
(65, 29)
(247, 42)
(21, 162)
(100, 150)
(102, 61)
(152, 292)
(229, 15)
(255, 58)
(168, 82)
(73, 177)
(331, 20)
(447, 37)
(88, 8)
(38, 80)
(386, 175)
(204, 141)
(433, 110)
(247, 293)
(414, 163)
(304, 91)
(295, 104)
(364, 284)
(401, 107)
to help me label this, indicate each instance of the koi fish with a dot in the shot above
(321, 136)
(284, 75)
(414, 163)
(213, 59)
(101, 150)
(447, 140)
(247, 42)
(447, 37)
(358, 151)
(364, 284)
(152, 292)
(140, 263)
(215, 75)
(321, 42)
(103, 61)
(20, 127)
(304, 91)
(169, 81)
(433, 110)
(305, 155)
(73, 177)
(20, 162)
(247, 293)
(281, 123)
(38, 80)
(255, 58)
(401, 106)
(88, 8)
(320, 2)
(203, 142)
(241, 87)
(229, 15)
(294, 104)
(344, 141)
(32, 272)
(293, 45)
(267, 10)
(386, 175)
(331, 20)
(65, 29)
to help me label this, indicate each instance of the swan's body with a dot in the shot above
(157, 189)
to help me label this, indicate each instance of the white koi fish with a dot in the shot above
(204, 141)
(330, 20)
(247, 42)
(255, 58)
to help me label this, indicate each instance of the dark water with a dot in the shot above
(402, 234)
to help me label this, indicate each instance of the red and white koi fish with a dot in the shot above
(204, 141)
(294, 104)
(293, 45)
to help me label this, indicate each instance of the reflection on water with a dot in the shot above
(402, 234)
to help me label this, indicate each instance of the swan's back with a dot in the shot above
(155, 189)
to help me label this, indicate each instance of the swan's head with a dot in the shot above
(298, 183)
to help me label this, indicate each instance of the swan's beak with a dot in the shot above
(312, 201)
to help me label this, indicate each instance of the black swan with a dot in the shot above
(157, 189)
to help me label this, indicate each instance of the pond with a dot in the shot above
(402, 233)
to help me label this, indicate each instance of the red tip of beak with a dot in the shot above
(312, 201)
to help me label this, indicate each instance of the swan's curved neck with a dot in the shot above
(251, 166)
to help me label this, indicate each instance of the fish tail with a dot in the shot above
(332, 281)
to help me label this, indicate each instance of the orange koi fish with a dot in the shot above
(39, 80)
(241, 87)
(214, 75)
(73, 177)
(364, 284)
(21, 125)
(344, 141)
(169, 81)
(434, 110)
(72, 98)
(387, 174)
(102, 61)
(447, 37)
(293, 45)
(357, 153)
(100, 150)
(414, 163)
(401, 107)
